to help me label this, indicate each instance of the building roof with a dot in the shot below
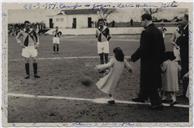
(79, 11)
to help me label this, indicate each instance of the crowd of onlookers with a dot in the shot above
(13, 29)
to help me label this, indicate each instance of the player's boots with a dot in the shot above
(27, 67)
(35, 67)
(111, 101)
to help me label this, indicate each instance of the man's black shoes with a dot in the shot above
(36, 76)
(27, 77)
(139, 100)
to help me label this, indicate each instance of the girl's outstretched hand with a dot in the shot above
(96, 68)
(127, 65)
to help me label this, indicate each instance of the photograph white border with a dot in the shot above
(4, 89)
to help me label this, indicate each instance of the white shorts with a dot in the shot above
(103, 47)
(56, 40)
(29, 51)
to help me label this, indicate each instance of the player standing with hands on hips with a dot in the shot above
(29, 41)
(103, 37)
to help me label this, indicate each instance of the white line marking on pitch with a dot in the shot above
(64, 58)
(97, 100)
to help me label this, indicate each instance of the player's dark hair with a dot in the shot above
(146, 17)
(22, 26)
(100, 20)
(26, 22)
(118, 53)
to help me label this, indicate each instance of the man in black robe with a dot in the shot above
(183, 43)
(150, 51)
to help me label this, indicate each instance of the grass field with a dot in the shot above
(71, 100)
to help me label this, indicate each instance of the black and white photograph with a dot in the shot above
(102, 64)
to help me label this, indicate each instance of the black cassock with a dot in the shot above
(151, 52)
(183, 42)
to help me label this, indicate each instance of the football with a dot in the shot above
(86, 80)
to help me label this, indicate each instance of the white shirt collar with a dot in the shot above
(150, 22)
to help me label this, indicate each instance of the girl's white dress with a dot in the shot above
(108, 83)
(170, 76)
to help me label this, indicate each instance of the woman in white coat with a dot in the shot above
(108, 83)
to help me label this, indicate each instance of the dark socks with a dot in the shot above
(57, 47)
(101, 58)
(35, 68)
(106, 57)
(27, 67)
(54, 47)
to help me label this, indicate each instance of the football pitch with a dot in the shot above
(59, 95)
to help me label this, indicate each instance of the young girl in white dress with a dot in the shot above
(108, 83)
(170, 86)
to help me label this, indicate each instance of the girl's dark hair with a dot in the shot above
(169, 56)
(146, 17)
(59, 33)
(118, 54)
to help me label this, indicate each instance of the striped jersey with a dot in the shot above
(103, 34)
(29, 38)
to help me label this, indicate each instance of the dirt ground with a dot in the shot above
(62, 78)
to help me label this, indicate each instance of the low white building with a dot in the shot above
(84, 18)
